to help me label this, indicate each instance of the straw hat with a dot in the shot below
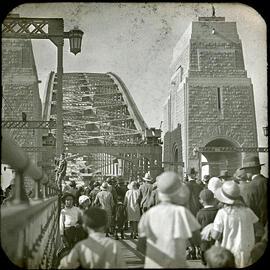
(250, 162)
(214, 183)
(104, 186)
(147, 177)
(83, 198)
(170, 188)
(228, 193)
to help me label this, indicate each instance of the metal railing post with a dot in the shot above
(20, 196)
(38, 194)
(45, 191)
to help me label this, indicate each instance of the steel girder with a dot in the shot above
(28, 124)
(99, 122)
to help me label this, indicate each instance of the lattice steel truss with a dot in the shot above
(94, 111)
(101, 118)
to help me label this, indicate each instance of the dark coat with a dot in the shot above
(62, 167)
(145, 195)
(121, 191)
(93, 194)
(120, 215)
(206, 216)
(194, 204)
(154, 198)
(256, 197)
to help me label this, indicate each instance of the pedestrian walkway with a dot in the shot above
(135, 259)
(132, 256)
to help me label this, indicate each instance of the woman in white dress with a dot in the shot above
(132, 204)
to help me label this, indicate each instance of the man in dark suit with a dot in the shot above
(194, 204)
(256, 194)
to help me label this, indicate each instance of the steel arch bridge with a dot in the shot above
(104, 132)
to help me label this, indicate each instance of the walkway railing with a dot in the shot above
(29, 228)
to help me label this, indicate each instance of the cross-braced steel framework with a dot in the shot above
(102, 124)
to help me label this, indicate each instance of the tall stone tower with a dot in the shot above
(211, 97)
(20, 94)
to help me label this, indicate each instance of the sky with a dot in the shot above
(136, 41)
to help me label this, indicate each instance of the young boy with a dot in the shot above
(70, 219)
(96, 251)
(205, 216)
(219, 257)
(120, 218)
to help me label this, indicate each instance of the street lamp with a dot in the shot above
(53, 29)
(265, 131)
(75, 40)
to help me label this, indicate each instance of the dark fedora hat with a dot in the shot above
(224, 174)
(66, 194)
(251, 162)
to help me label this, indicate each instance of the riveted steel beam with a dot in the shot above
(28, 124)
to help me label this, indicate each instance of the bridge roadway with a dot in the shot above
(135, 259)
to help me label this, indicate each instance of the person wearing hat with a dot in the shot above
(96, 251)
(195, 189)
(256, 193)
(234, 223)
(193, 205)
(240, 177)
(168, 225)
(154, 196)
(121, 187)
(131, 202)
(213, 184)
(94, 192)
(224, 175)
(145, 192)
(72, 188)
(84, 202)
(205, 216)
(104, 199)
(111, 184)
(61, 168)
(70, 218)
(205, 180)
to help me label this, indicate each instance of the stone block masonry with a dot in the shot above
(21, 93)
(213, 102)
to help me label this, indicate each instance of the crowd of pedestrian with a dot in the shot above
(221, 219)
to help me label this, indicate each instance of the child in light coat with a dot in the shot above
(97, 251)
(169, 225)
(234, 223)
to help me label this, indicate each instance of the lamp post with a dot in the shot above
(53, 29)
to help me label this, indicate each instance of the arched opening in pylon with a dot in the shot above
(213, 162)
